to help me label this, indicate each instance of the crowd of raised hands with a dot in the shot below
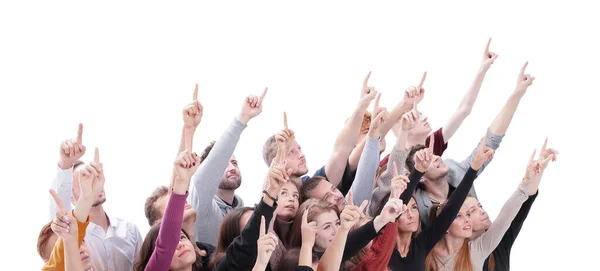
(408, 210)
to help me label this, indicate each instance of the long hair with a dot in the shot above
(462, 261)
(148, 248)
(43, 239)
(228, 230)
(317, 207)
(356, 259)
(290, 260)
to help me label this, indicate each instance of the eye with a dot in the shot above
(458, 216)
(182, 237)
(327, 227)
(296, 196)
(414, 207)
(284, 193)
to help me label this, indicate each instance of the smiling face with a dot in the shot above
(327, 192)
(232, 178)
(185, 255)
(461, 226)
(480, 220)
(287, 204)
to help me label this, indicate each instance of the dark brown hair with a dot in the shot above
(410, 161)
(148, 248)
(43, 238)
(152, 212)
(308, 186)
(291, 258)
(206, 151)
(228, 230)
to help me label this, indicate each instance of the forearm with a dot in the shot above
(168, 234)
(365, 174)
(470, 97)
(504, 118)
(63, 185)
(384, 183)
(414, 179)
(83, 208)
(72, 257)
(259, 266)
(305, 258)
(332, 258)
(356, 153)
(184, 131)
(395, 116)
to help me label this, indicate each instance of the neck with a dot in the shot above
(438, 189)
(296, 179)
(476, 234)
(412, 140)
(226, 195)
(403, 240)
(451, 244)
(186, 268)
(98, 217)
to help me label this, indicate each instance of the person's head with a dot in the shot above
(289, 199)
(318, 187)
(459, 230)
(185, 254)
(232, 177)
(422, 129)
(155, 206)
(46, 240)
(327, 217)
(78, 166)
(364, 127)
(480, 221)
(295, 157)
(436, 170)
(231, 227)
(410, 220)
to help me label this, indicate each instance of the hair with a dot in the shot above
(148, 248)
(152, 212)
(43, 239)
(228, 230)
(269, 150)
(410, 161)
(77, 163)
(386, 198)
(291, 258)
(358, 257)
(308, 186)
(283, 228)
(206, 151)
(366, 122)
(462, 260)
(316, 207)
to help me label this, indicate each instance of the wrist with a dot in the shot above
(374, 133)
(64, 165)
(420, 168)
(379, 223)
(243, 119)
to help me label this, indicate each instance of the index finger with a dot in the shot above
(80, 133)
(523, 68)
(350, 199)
(422, 81)
(97, 156)
(363, 205)
(305, 217)
(431, 142)
(532, 155)
(543, 151)
(285, 123)
(366, 81)
(196, 93)
(487, 47)
(395, 169)
(263, 230)
(58, 201)
(262, 97)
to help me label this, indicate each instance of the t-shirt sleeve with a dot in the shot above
(347, 178)
(439, 145)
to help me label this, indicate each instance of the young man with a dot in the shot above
(113, 242)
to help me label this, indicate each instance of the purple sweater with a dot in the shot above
(168, 235)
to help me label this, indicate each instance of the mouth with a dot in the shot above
(184, 253)
(290, 207)
(187, 207)
(84, 258)
(467, 228)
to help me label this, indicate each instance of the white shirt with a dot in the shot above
(113, 250)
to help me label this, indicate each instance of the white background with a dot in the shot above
(125, 70)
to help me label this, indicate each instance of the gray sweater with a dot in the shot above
(384, 183)
(365, 172)
(210, 209)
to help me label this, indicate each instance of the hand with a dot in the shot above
(484, 154)
(192, 113)
(71, 150)
(367, 95)
(382, 116)
(284, 139)
(394, 207)
(535, 169)
(523, 81)
(488, 57)
(409, 119)
(61, 224)
(186, 163)
(415, 94)
(309, 230)
(352, 213)
(365, 87)
(399, 181)
(252, 107)
(267, 242)
(424, 157)
(91, 179)
(545, 153)
(278, 175)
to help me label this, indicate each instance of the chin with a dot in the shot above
(189, 214)
(285, 215)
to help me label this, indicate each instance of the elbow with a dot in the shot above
(465, 110)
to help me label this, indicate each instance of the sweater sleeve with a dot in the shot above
(381, 249)
(483, 246)
(304, 268)
(358, 239)
(57, 257)
(366, 171)
(242, 252)
(414, 179)
(63, 185)
(433, 234)
(384, 183)
(168, 234)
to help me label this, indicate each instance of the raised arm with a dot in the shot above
(362, 186)
(207, 178)
(467, 102)
(412, 96)
(71, 150)
(266, 244)
(309, 234)
(346, 139)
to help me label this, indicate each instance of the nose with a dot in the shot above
(410, 214)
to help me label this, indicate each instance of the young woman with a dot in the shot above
(456, 252)
(287, 206)
(231, 227)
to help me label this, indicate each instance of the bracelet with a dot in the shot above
(272, 198)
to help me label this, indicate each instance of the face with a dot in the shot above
(329, 193)
(422, 128)
(76, 192)
(287, 205)
(480, 221)
(232, 178)
(189, 214)
(85, 256)
(461, 226)
(437, 169)
(409, 220)
(327, 225)
(185, 255)
(244, 219)
(296, 160)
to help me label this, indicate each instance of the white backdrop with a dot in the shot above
(125, 70)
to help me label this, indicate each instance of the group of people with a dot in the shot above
(409, 210)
